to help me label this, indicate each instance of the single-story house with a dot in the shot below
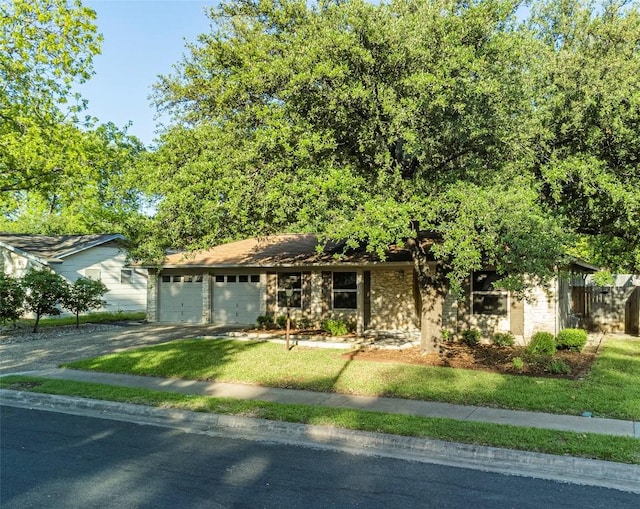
(100, 257)
(235, 283)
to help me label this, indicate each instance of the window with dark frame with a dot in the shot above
(125, 275)
(292, 281)
(486, 299)
(345, 290)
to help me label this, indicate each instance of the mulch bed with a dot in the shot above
(481, 357)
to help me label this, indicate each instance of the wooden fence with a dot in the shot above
(617, 309)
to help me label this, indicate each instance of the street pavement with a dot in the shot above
(601, 473)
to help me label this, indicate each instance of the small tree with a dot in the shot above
(11, 299)
(83, 295)
(44, 292)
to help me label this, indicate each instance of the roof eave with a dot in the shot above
(98, 242)
(29, 256)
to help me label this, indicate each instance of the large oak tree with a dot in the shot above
(407, 120)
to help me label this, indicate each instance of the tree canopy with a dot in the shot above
(510, 142)
(45, 47)
(357, 119)
(59, 172)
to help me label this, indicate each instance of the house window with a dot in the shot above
(93, 274)
(485, 299)
(345, 290)
(125, 276)
(292, 281)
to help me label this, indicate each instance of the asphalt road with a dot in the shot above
(56, 460)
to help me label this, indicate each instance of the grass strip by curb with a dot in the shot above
(585, 445)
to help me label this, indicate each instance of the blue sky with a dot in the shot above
(142, 39)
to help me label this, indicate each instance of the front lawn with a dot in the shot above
(611, 389)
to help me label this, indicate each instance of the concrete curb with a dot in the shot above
(491, 459)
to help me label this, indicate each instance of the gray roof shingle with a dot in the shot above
(54, 247)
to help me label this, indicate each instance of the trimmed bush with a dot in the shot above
(572, 339)
(265, 321)
(334, 327)
(542, 343)
(471, 337)
(503, 339)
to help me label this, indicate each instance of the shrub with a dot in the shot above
(503, 339)
(334, 327)
(11, 299)
(447, 336)
(471, 337)
(84, 295)
(281, 322)
(542, 343)
(558, 367)
(265, 321)
(518, 363)
(44, 293)
(572, 339)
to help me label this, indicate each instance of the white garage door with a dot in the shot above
(181, 299)
(236, 298)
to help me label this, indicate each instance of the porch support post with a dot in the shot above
(360, 307)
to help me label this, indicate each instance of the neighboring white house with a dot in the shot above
(100, 257)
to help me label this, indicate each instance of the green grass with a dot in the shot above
(610, 448)
(616, 372)
(104, 317)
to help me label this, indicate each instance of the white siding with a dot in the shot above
(109, 260)
(14, 264)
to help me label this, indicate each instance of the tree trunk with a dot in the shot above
(35, 325)
(431, 318)
(432, 288)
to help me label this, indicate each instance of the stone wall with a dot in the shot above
(392, 300)
(540, 310)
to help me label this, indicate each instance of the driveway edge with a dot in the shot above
(569, 469)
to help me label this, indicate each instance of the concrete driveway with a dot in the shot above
(40, 351)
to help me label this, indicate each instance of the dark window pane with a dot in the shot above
(295, 301)
(231, 279)
(255, 278)
(219, 279)
(483, 281)
(289, 280)
(490, 304)
(166, 279)
(243, 279)
(345, 300)
(198, 278)
(125, 275)
(177, 279)
(345, 281)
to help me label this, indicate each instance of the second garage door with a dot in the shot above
(237, 298)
